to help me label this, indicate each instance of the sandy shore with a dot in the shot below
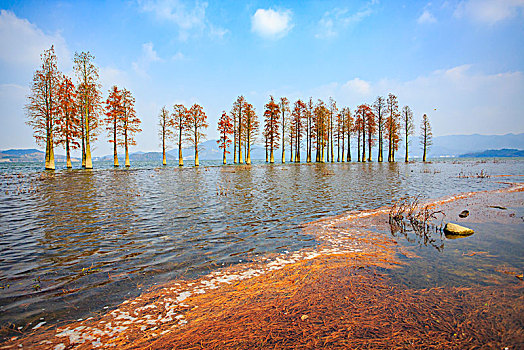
(335, 296)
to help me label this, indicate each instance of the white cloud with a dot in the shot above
(426, 17)
(336, 20)
(148, 56)
(490, 11)
(358, 86)
(271, 24)
(190, 20)
(110, 76)
(22, 42)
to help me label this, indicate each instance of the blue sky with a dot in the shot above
(461, 62)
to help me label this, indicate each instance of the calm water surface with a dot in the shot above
(73, 242)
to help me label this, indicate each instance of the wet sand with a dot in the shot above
(336, 296)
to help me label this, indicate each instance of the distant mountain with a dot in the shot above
(505, 152)
(456, 145)
(137, 157)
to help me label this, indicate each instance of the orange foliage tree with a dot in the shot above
(251, 125)
(113, 120)
(408, 128)
(69, 123)
(165, 122)
(130, 122)
(42, 106)
(332, 113)
(297, 126)
(180, 124)
(284, 108)
(89, 102)
(347, 120)
(371, 127)
(360, 130)
(196, 121)
(271, 115)
(320, 129)
(380, 111)
(238, 113)
(225, 129)
(426, 136)
(392, 126)
(310, 107)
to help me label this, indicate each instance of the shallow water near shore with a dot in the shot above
(76, 242)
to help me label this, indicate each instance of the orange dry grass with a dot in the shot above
(346, 307)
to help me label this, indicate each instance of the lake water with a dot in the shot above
(74, 242)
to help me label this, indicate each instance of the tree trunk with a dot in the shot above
(406, 159)
(389, 149)
(49, 151)
(83, 143)
(283, 136)
(380, 140)
(424, 155)
(197, 163)
(128, 164)
(267, 154)
(363, 144)
(115, 152)
(164, 161)
(68, 155)
(240, 160)
(331, 136)
(248, 155)
(235, 141)
(180, 158)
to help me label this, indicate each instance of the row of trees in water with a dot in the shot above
(320, 129)
(62, 113)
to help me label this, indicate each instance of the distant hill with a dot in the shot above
(456, 145)
(27, 155)
(505, 152)
(137, 157)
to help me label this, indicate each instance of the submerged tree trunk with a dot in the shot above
(197, 163)
(128, 164)
(267, 154)
(68, 155)
(164, 161)
(180, 158)
(115, 155)
(50, 153)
